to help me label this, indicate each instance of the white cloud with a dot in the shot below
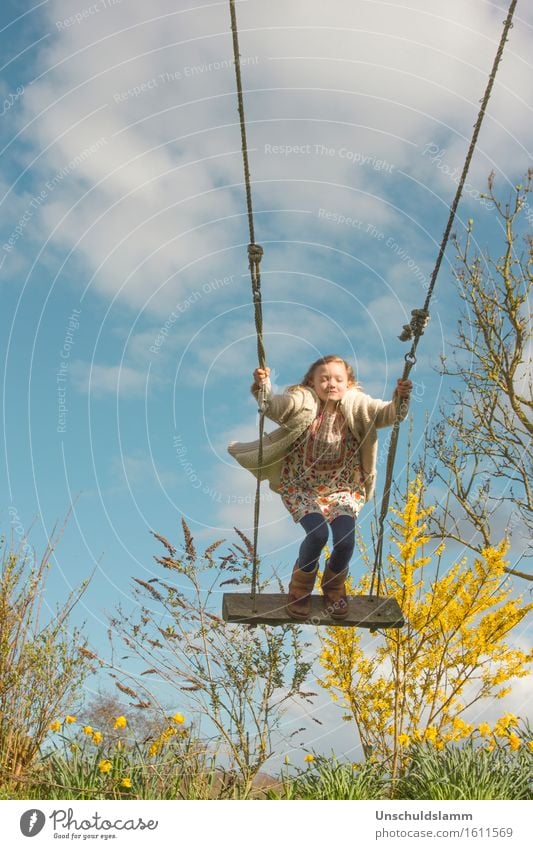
(151, 93)
(135, 471)
(101, 380)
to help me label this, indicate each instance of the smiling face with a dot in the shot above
(330, 381)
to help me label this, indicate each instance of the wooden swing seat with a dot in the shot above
(364, 611)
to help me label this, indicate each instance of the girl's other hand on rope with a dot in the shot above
(261, 375)
(403, 388)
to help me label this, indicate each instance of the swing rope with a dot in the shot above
(420, 317)
(255, 252)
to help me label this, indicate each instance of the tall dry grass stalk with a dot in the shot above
(237, 680)
(43, 662)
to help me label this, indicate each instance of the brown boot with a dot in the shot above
(300, 589)
(334, 591)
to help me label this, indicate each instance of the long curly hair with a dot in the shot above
(324, 361)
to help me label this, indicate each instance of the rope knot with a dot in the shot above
(255, 252)
(416, 326)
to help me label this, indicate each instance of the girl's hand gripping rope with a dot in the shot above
(261, 385)
(261, 375)
(403, 388)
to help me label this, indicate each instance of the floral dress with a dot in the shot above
(322, 473)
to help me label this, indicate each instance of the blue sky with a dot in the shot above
(127, 332)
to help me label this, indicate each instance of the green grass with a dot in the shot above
(467, 772)
(329, 778)
(183, 769)
(72, 769)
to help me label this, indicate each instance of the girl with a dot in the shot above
(322, 461)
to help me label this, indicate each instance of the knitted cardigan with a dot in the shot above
(295, 411)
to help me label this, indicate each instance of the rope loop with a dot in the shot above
(262, 402)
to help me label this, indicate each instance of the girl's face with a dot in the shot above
(330, 381)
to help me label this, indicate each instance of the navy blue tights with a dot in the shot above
(316, 529)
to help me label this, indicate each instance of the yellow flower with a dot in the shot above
(430, 734)
(97, 737)
(514, 742)
(105, 766)
(404, 739)
(287, 760)
(484, 729)
(530, 745)
(168, 733)
(507, 720)
(126, 782)
(309, 759)
(178, 718)
(120, 722)
(460, 725)
(55, 726)
(70, 720)
(154, 749)
(88, 730)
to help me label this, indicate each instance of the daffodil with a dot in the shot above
(514, 742)
(55, 726)
(309, 759)
(126, 782)
(88, 730)
(105, 766)
(70, 720)
(507, 720)
(430, 734)
(484, 729)
(97, 737)
(178, 718)
(120, 722)
(460, 725)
